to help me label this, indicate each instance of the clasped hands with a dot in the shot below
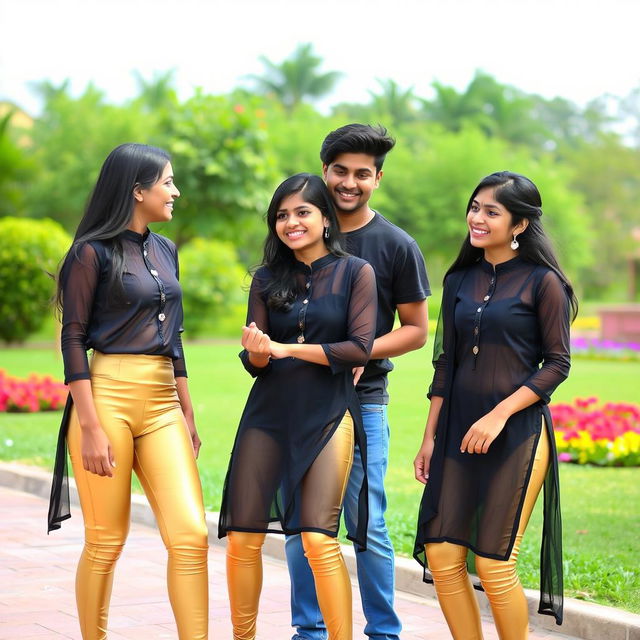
(260, 346)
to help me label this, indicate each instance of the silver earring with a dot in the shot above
(326, 232)
(514, 243)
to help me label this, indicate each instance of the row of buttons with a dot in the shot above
(476, 328)
(163, 297)
(302, 313)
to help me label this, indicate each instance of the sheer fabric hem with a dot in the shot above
(59, 502)
(284, 532)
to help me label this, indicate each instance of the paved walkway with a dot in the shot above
(37, 582)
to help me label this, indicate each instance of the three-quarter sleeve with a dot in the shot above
(79, 280)
(552, 309)
(363, 308)
(256, 312)
(179, 363)
(442, 342)
(440, 363)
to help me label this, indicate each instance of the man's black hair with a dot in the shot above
(357, 138)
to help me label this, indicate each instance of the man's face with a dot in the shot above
(351, 179)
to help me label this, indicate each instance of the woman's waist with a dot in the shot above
(137, 368)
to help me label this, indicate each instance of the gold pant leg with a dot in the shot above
(105, 504)
(244, 552)
(448, 566)
(333, 586)
(499, 577)
(447, 563)
(138, 408)
(166, 467)
(244, 581)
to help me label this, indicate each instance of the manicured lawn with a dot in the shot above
(601, 516)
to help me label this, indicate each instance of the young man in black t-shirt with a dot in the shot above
(352, 159)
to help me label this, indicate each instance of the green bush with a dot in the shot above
(29, 251)
(212, 283)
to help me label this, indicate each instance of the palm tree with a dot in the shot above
(158, 92)
(394, 102)
(296, 78)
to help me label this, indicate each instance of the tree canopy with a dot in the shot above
(230, 151)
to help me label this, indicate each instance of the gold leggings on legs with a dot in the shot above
(447, 563)
(333, 586)
(138, 407)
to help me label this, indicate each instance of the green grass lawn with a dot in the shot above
(600, 506)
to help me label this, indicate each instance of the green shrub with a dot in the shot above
(29, 251)
(212, 283)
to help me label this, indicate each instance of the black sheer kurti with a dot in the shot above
(499, 330)
(295, 406)
(147, 321)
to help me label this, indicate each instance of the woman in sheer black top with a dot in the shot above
(501, 349)
(311, 320)
(129, 408)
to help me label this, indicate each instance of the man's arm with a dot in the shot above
(409, 336)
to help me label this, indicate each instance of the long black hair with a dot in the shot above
(283, 286)
(111, 205)
(521, 198)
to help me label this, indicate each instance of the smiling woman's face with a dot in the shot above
(156, 203)
(300, 225)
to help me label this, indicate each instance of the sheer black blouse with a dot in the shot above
(295, 406)
(149, 319)
(499, 329)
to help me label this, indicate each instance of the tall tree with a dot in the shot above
(497, 109)
(15, 169)
(394, 103)
(159, 92)
(296, 78)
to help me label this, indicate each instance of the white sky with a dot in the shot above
(578, 49)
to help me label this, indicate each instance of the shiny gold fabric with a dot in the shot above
(138, 407)
(333, 586)
(447, 563)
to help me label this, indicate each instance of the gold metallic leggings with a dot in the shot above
(333, 586)
(447, 563)
(138, 407)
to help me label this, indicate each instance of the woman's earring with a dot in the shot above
(514, 243)
(326, 232)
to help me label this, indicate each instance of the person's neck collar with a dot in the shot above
(505, 265)
(135, 235)
(354, 220)
(316, 264)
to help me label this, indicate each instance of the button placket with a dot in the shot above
(303, 311)
(478, 317)
(161, 316)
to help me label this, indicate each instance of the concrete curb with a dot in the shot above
(581, 619)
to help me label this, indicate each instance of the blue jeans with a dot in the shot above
(376, 576)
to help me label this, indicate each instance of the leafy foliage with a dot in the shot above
(296, 78)
(224, 169)
(427, 184)
(15, 168)
(69, 144)
(211, 280)
(30, 251)
(230, 151)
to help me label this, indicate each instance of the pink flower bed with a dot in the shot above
(588, 432)
(36, 393)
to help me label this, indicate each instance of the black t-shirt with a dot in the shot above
(401, 277)
(149, 322)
